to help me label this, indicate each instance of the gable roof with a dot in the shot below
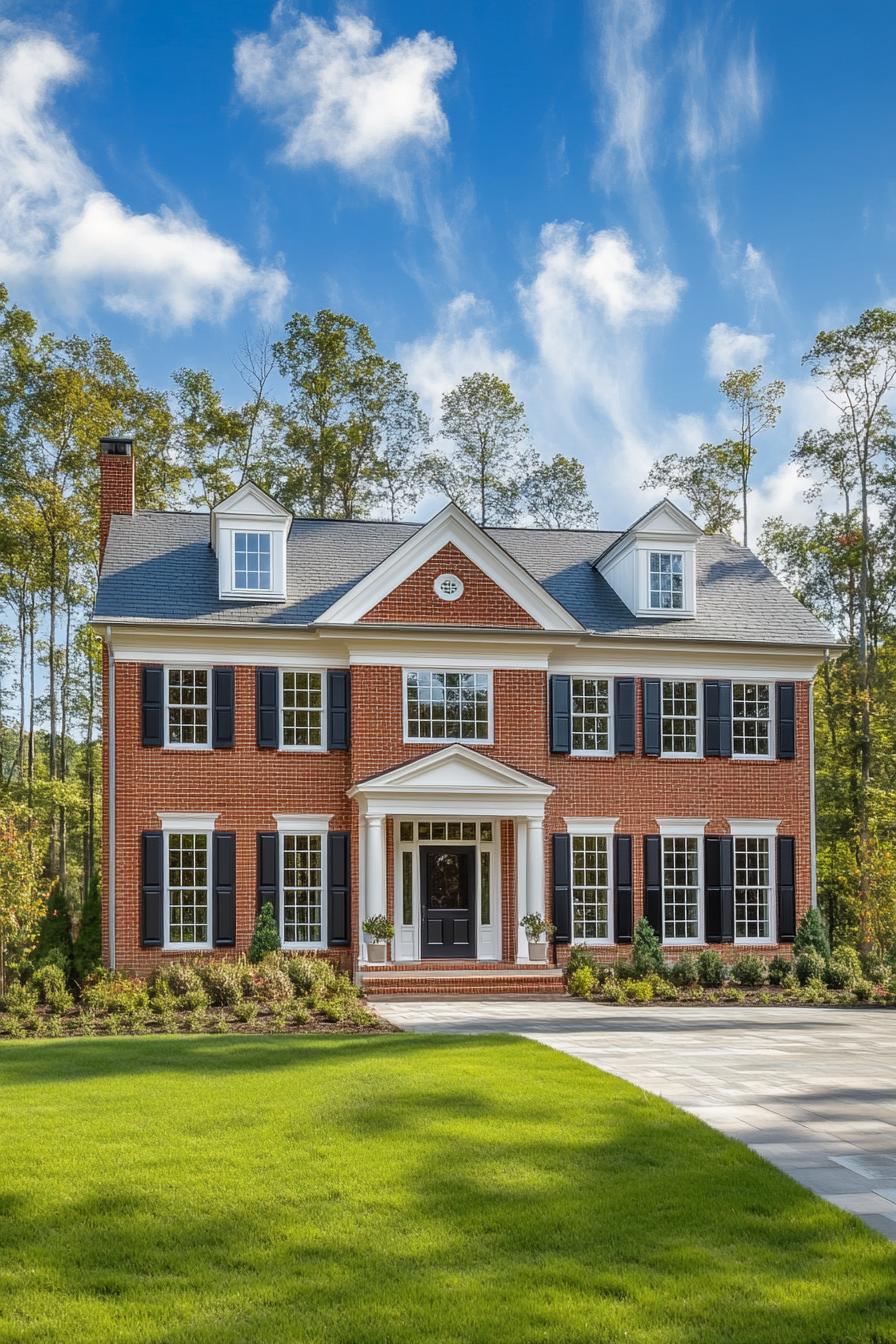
(160, 567)
(676, 520)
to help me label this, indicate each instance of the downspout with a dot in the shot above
(813, 882)
(111, 798)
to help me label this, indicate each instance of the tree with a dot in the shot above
(556, 494)
(88, 952)
(23, 894)
(265, 936)
(485, 472)
(707, 480)
(403, 434)
(54, 940)
(758, 406)
(209, 437)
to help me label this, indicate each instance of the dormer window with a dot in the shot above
(666, 581)
(252, 561)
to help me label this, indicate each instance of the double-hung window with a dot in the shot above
(188, 871)
(303, 891)
(302, 710)
(591, 716)
(666, 581)
(681, 888)
(447, 706)
(753, 908)
(187, 706)
(680, 718)
(590, 888)
(751, 718)
(252, 561)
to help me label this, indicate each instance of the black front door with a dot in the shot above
(447, 885)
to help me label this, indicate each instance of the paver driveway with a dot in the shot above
(811, 1089)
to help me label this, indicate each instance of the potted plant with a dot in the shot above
(379, 930)
(537, 928)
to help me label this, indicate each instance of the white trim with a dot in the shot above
(683, 755)
(307, 826)
(301, 823)
(168, 745)
(770, 755)
(602, 828)
(111, 802)
(683, 828)
(249, 509)
(682, 825)
(813, 840)
(298, 746)
(407, 944)
(742, 829)
(450, 595)
(611, 716)
(188, 821)
(450, 526)
(446, 741)
(233, 588)
(591, 825)
(747, 827)
(453, 780)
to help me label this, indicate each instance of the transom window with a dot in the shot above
(188, 888)
(752, 889)
(681, 723)
(590, 888)
(187, 706)
(302, 889)
(252, 561)
(666, 580)
(750, 718)
(590, 714)
(681, 888)
(482, 833)
(302, 709)
(447, 706)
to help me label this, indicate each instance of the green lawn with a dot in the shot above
(398, 1188)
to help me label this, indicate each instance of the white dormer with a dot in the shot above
(249, 532)
(653, 566)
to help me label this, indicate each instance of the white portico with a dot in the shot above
(446, 810)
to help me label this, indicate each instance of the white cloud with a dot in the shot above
(59, 227)
(463, 343)
(341, 100)
(728, 348)
(628, 86)
(757, 277)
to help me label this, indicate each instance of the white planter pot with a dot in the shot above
(376, 951)
(538, 952)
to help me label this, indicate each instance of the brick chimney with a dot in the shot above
(116, 483)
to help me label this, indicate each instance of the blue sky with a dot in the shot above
(609, 204)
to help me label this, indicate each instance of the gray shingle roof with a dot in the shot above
(159, 567)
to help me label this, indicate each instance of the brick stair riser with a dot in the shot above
(493, 985)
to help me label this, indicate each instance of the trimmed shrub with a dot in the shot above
(625, 970)
(711, 969)
(732, 995)
(663, 988)
(778, 969)
(272, 984)
(809, 965)
(844, 969)
(181, 977)
(19, 999)
(580, 982)
(647, 953)
(863, 990)
(88, 951)
(685, 971)
(113, 993)
(309, 974)
(639, 991)
(579, 956)
(874, 968)
(266, 935)
(749, 970)
(222, 982)
(48, 980)
(247, 1011)
(812, 934)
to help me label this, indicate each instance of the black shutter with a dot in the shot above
(718, 882)
(717, 718)
(622, 881)
(222, 707)
(624, 711)
(153, 706)
(786, 875)
(268, 869)
(653, 883)
(267, 707)
(785, 711)
(224, 888)
(651, 716)
(562, 886)
(561, 714)
(151, 886)
(338, 889)
(338, 709)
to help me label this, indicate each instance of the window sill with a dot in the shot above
(188, 746)
(739, 756)
(304, 947)
(313, 751)
(593, 755)
(681, 756)
(187, 947)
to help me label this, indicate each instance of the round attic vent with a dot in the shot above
(448, 587)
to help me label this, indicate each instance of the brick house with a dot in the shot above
(450, 725)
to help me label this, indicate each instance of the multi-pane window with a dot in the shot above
(188, 898)
(590, 887)
(681, 888)
(485, 886)
(302, 709)
(750, 718)
(252, 560)
(302, 889)
(447, 706)
(666, 580)
(590, 714)
(680, 717)
(188, 707)
(752, 889)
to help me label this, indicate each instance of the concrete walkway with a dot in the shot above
(813, 1090)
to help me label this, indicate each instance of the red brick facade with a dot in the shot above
(481, 603)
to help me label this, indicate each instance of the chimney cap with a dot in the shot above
(114, 445)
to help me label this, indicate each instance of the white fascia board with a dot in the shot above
(450, 526)
(248, 504)
(188, 821)
(749, 827)
(682, 825)
(591, 825)
(664, 522)
(453, 769)
(290, 823)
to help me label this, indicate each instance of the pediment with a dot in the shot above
(251, 501)
(453, 770)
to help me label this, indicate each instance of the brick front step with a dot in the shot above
(441, 980)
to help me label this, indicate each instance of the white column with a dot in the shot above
(534, 866)
(522, 946)
(374, 867)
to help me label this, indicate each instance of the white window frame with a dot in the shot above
(315, 671)
(684, 828)
(611, 717)
(290, 823)
(248, 531)
(188, 746)
(446, 741)
(407, 943)
(605, 828)
(742, 828)
(186, 823)
(697, 755)
(750, 756)
(671, 553)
